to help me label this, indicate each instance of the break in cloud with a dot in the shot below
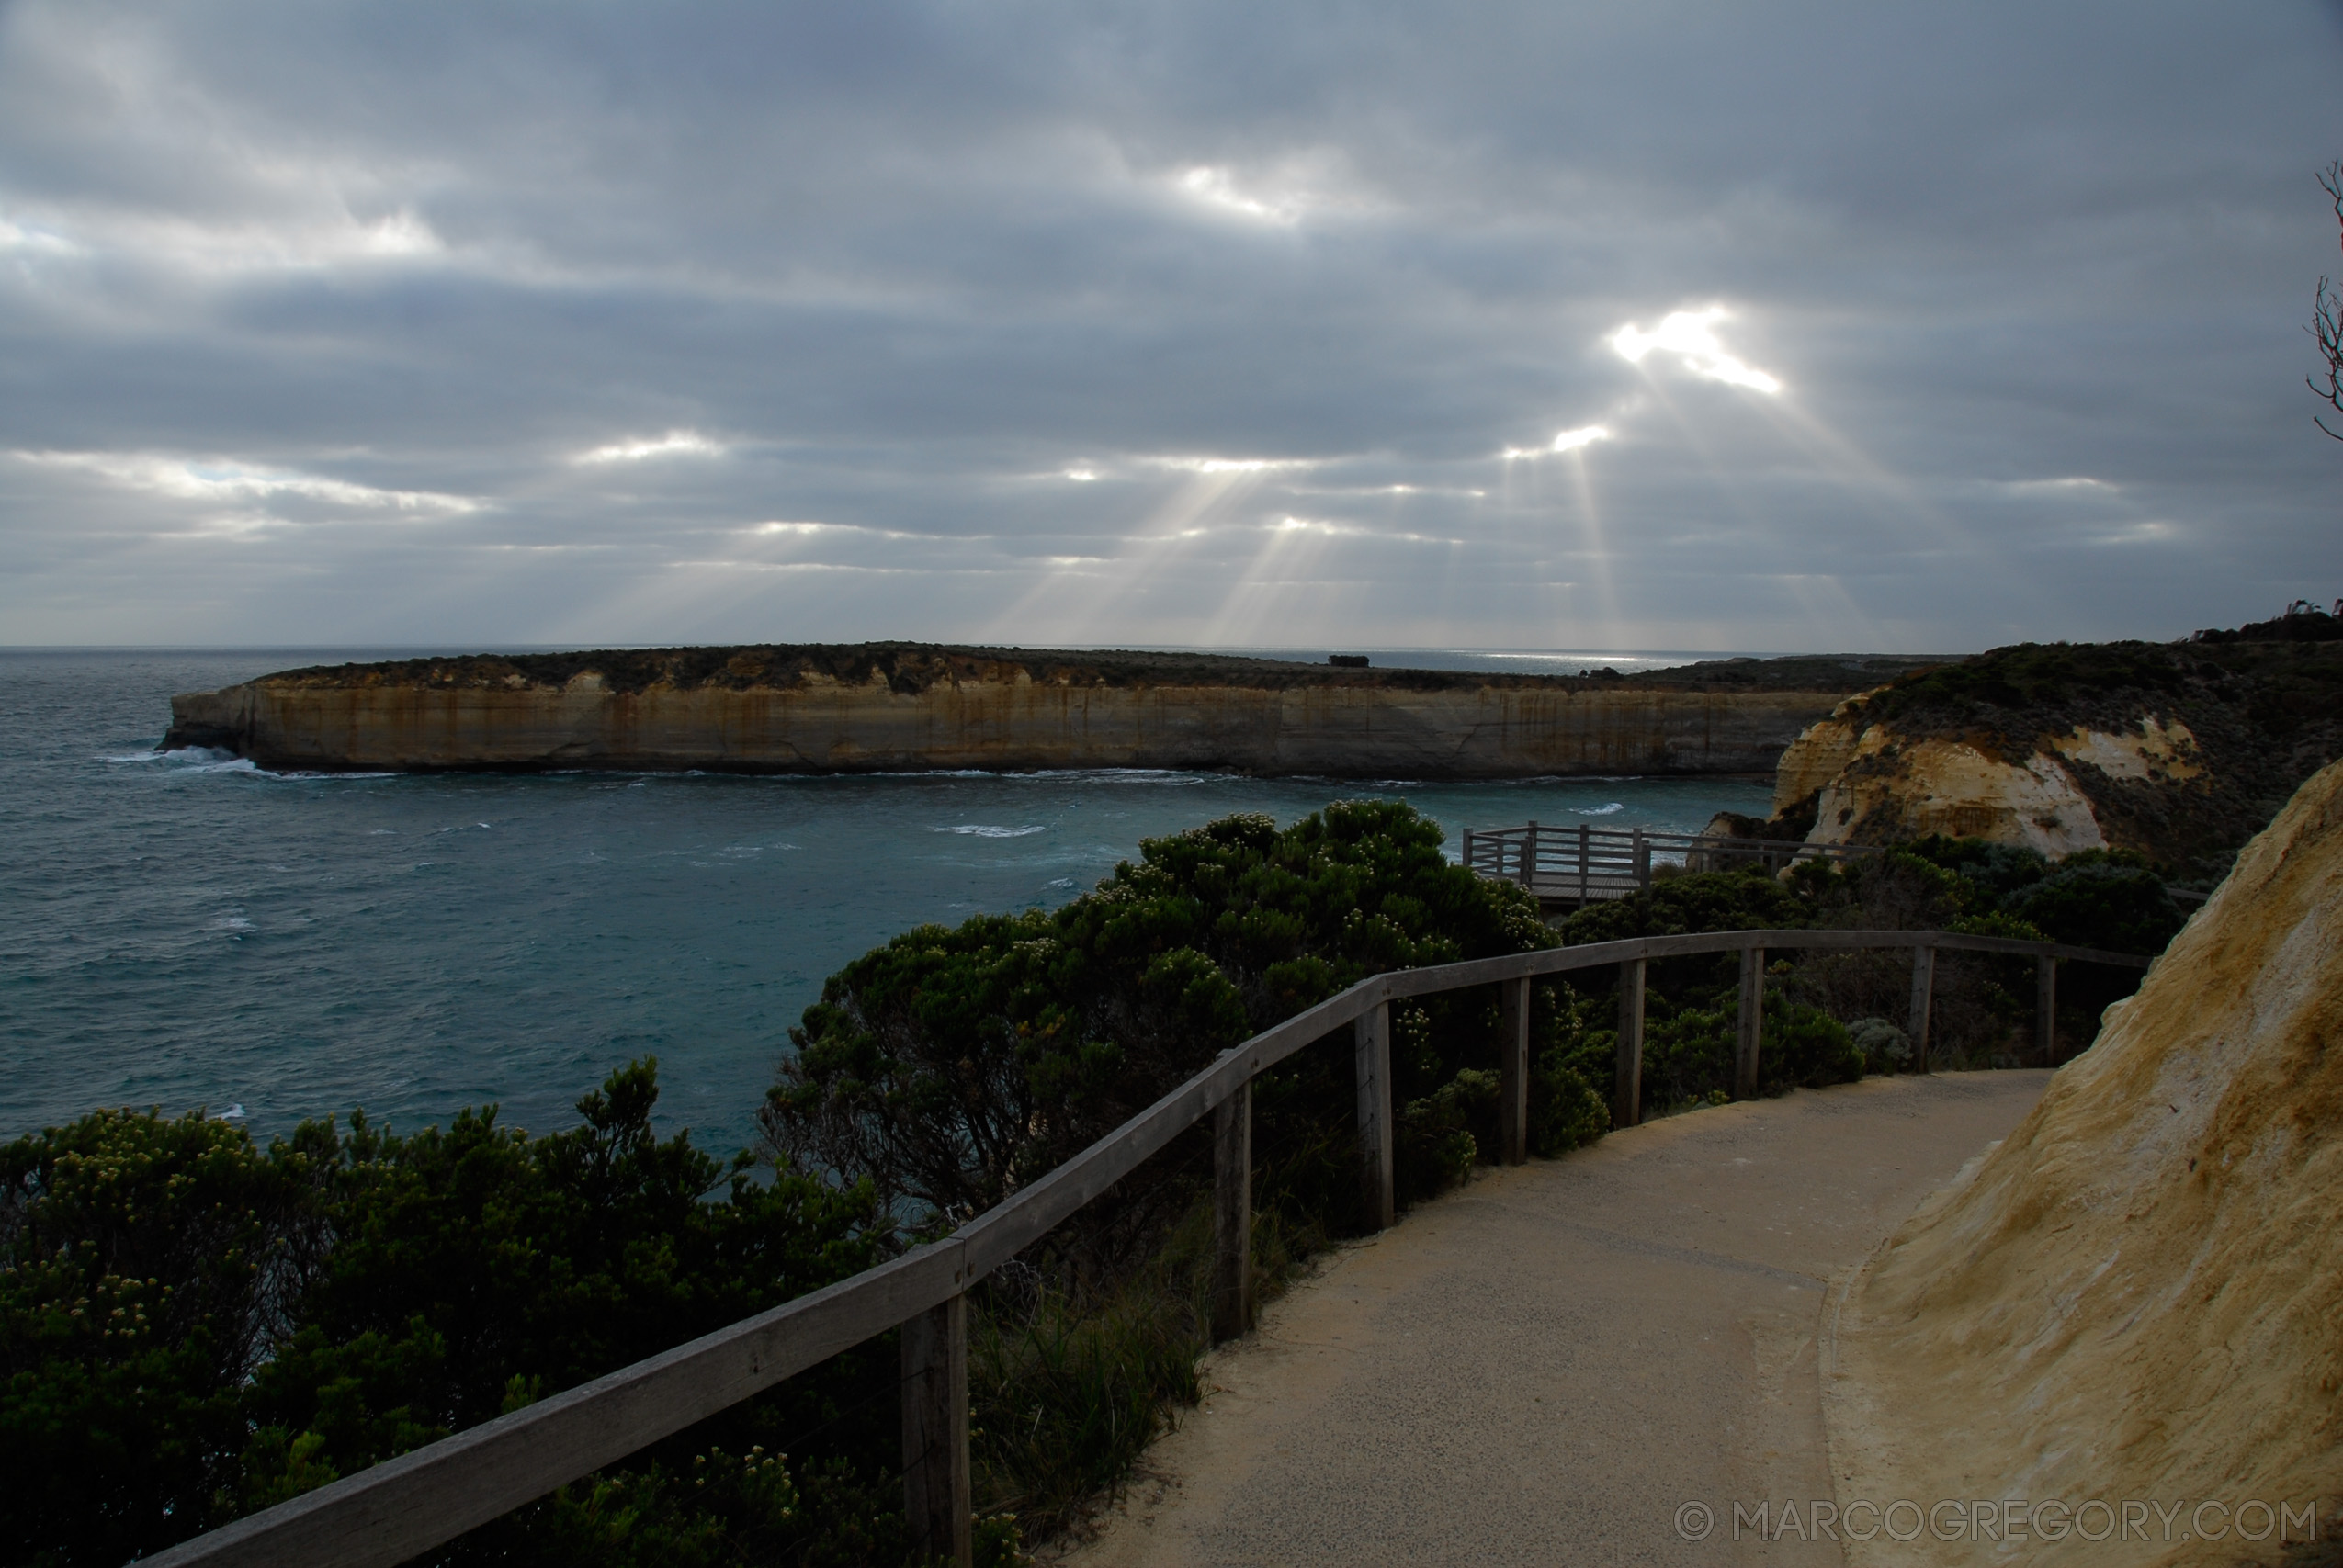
(1686, 325)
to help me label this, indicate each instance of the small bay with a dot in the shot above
(185, 931)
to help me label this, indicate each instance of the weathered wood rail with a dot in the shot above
(407, 1506)
(1582, 864)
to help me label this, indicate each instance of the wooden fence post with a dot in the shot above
(1514, 1071)
(1371, 1039)
(1752, 1020)
(1627, 1083)
(1923, 984)
(1529, 855)
(1586, 838)
(935, 1432)
(2046, 1009)
(1643, 861)
(1232, 1215)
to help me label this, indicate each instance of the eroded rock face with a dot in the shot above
(1821, 754)
(2178, 751)
(1955, 789)
(1870, 784)
(2135, 1296)
(828, 710)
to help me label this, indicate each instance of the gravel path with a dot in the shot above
(1547, 1366)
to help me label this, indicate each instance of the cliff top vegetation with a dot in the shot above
(2263, 714)
(908, 668)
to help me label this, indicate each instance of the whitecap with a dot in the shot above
(233, 1114)
(232, 923)
(1060, 882)
(1599, 810)
(978, 830)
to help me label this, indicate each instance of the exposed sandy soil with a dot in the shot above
(2136, 1297)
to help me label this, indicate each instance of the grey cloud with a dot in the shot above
(902, 266)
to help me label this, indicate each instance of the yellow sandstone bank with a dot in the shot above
(2127, 1319)
(1912, 787)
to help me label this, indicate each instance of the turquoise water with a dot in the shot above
(185, 931)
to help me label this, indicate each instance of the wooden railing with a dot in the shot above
(1584, 863)
(419, 1500)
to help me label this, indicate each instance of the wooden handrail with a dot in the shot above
(406, 1505)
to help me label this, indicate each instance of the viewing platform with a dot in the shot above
(1569, 868)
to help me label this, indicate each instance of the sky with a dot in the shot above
(1514, 324)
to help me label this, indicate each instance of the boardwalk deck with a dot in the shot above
(1569, 867)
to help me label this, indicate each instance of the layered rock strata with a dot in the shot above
(2178, 751)
(2132, 1301)
(907, 708)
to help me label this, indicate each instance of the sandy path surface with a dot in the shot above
(1544, 1368)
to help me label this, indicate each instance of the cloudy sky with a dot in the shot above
(1522, 323)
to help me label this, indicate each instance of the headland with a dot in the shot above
(895, 707)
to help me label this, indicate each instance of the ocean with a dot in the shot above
(185, 931)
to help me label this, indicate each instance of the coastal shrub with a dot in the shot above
(1801, 1046)
(2100, 898)
(1068, 1386)
(1982, 1005)
(192, 1327)
(1699, 901)
(147, 1270)
(1885, 1048)
(1689, 1052)
(951, 1066)
(1688, 1055)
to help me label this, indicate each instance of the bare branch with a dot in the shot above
(2326, 316)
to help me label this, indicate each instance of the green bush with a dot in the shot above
(1801, 1046)
(192, 1327)
(1706, 901)
(1688, 1056)
(2098, 900)
(950, 1066)
(1885, 1048)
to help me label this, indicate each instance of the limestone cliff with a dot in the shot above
(2135, 1296)
(887, 707)
(2179, 750)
